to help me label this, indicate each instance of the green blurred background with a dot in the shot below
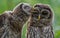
(6, 5)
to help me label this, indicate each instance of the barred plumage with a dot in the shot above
(11, 22)
(41, 22)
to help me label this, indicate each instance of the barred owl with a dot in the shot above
(40, 25)
(11, 22)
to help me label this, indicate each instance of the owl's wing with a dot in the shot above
(2, 28)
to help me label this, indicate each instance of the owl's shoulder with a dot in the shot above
(3, 17)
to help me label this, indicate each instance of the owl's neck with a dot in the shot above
(37, 32)
(20, 19)
(22, 16)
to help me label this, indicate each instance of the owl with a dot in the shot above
(40, 25)
(11, 22)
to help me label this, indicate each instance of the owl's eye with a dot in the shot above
(27, 7)
(45, 13)
(35, 14)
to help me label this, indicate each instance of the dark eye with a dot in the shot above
(45, 13)
(26, 7)
(35, 14)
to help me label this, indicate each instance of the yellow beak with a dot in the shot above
(39, 17)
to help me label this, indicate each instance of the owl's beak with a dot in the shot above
(35, 10)
(39, 17)
(32, 10)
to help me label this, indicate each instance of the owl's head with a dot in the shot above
(22, 7)
(42, 15)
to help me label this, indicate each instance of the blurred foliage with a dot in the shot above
(6, 5)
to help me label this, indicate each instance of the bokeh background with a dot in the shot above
(6, 5)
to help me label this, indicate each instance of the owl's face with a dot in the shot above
(22, 12)
(42, 15)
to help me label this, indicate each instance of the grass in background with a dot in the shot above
(6, 5)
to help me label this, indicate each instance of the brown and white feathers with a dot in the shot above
(41, 22)
(11, 22)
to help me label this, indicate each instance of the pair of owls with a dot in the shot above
(11, 22)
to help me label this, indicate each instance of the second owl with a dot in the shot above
(40, 25)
